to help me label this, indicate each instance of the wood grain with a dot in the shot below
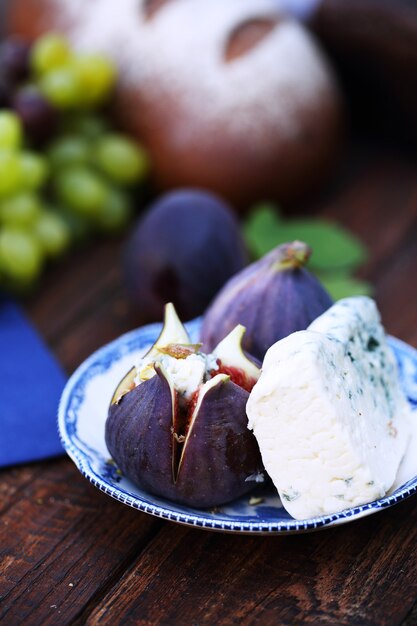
(71, 555)
(62, 542)
(355, 574)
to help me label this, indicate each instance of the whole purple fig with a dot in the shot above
(177, 424)
(271, 298)
(183, 250)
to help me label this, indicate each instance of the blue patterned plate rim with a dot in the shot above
(237, 517)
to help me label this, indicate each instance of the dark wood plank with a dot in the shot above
(396, 290)
(379, 205)
(62, 542)
(110, 319)
(13, 482)
(74, 287)
(83, 293)
(362, 574)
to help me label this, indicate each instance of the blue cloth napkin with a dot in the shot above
(31, 383)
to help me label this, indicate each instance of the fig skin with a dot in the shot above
(272, 298)
(138, 434)
(219, 452)
(183, 250)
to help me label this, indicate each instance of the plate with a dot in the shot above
(82, 415)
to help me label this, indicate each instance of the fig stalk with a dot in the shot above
(294, 255)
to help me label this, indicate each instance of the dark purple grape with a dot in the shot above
(38, 117)
(14, 59)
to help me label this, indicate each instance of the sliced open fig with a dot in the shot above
(191, 445)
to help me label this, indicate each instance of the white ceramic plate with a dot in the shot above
(82, 415)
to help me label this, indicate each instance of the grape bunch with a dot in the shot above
(64, 172)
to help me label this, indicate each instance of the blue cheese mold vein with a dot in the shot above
(331, 420)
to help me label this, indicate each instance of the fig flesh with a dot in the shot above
(183, 250)
(271, 298)
(188, 444)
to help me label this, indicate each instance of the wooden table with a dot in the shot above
(72, 555)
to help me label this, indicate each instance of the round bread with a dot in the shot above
(232, 96)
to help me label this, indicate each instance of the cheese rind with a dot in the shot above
(330, 418)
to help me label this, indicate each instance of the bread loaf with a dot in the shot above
(232, 96)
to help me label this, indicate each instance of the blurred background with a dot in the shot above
(270, 109)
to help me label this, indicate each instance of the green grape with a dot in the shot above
(20, 255)
(97, 75)
(81, 190)
(11, 131)
(115, 213)
(62, 88)
(53, 233)
(20, 210)
(68, 150)
(10, 172)
(121, 159)
(34, 170)
(49, 52)
(88, 125)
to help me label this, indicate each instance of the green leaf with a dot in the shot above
(334, 248)
(336, 251)
(261, 229)
(342, 286)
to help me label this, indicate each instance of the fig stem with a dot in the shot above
(294, 255)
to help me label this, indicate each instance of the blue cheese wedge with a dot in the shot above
(330, 418)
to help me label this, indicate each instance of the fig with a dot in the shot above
(177, 424)
(271, 298)
(183, 250)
